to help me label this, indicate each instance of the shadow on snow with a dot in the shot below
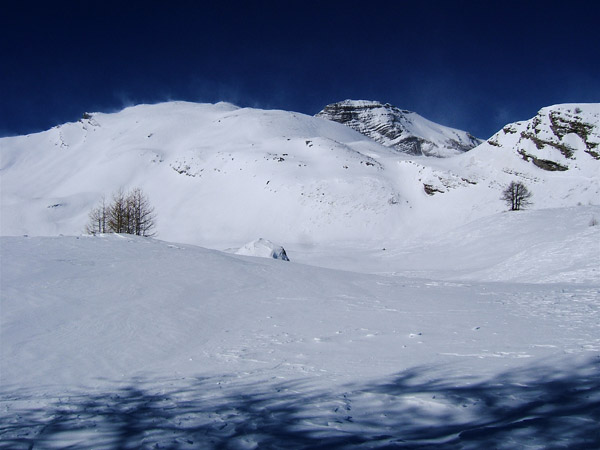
(540, 407)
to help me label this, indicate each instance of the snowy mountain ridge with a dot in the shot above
(213, 172)
(402, 130)
(219, 175)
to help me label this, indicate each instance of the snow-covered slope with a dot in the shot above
(402, 130)
(555, 153)
(220, 176)
(483, 332)
(560, 245)
(528, 152)
(213, 173)
(125, 342)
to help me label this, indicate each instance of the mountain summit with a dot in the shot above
(402, 130)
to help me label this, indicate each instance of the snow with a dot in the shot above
(219, 176)
(277, 172)
(113, 340)
(501, 247)
(403, 319)
(390, 125)
(264, 249)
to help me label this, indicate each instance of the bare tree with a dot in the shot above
(516, 195)
(118, 219)
(98, 222)
(129, 213)
(141, 214)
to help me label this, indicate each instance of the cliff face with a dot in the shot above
(402, 130)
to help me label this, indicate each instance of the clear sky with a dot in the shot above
(473, 65)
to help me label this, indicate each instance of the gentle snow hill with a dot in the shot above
(219, 175)
(124, 342)
(559, 245)
(404, 131)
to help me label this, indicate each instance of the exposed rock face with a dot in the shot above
(405, 131)
(556, 138)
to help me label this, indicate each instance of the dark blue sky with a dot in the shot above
(474, 65)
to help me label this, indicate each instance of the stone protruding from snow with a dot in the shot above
(402, 130)
(264, 249)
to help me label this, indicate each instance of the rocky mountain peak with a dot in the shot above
(402, 130)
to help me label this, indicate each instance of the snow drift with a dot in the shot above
(264, 249)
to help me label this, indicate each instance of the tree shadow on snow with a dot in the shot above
(541, 407)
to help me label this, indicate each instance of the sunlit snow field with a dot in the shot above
(486, 337)
(414, 312)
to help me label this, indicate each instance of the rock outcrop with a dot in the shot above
(402, 130)
(556, 138)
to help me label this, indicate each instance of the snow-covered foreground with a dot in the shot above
(123, 342)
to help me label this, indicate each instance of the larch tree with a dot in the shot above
(98, 219)
(118, 219)
(141, 214)
(129, 213)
